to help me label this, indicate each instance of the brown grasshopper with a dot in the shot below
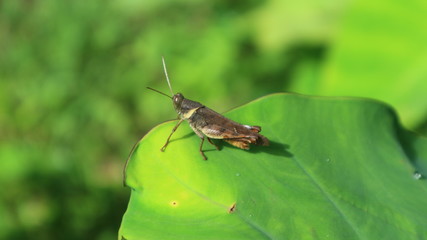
(206, 122)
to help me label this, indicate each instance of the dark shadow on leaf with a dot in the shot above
(275, 148)
(210, 149)
(205, 148)
(180, 138)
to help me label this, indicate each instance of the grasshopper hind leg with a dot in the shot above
(201, 146)
(210, 141)
(202, 137)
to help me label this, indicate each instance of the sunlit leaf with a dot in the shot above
(337, 168)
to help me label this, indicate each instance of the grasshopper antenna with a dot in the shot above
(159, 92)
(166, 73)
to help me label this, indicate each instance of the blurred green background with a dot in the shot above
(73, 75)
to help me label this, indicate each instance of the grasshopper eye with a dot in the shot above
(178, 97)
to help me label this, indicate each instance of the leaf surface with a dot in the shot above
(337, 168)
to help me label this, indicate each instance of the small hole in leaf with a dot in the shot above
(174, 203)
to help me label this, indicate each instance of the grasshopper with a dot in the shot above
(206, 122)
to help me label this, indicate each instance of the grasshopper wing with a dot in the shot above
(214, 125)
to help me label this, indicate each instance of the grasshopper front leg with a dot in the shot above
(173, 130)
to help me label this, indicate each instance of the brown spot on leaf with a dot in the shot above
(232, 208)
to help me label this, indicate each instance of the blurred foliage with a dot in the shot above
(379, 52)
(73, 98)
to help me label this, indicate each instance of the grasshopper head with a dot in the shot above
(177, 101)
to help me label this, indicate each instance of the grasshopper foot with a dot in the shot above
(203, 155)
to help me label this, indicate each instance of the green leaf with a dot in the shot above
(337, 168)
